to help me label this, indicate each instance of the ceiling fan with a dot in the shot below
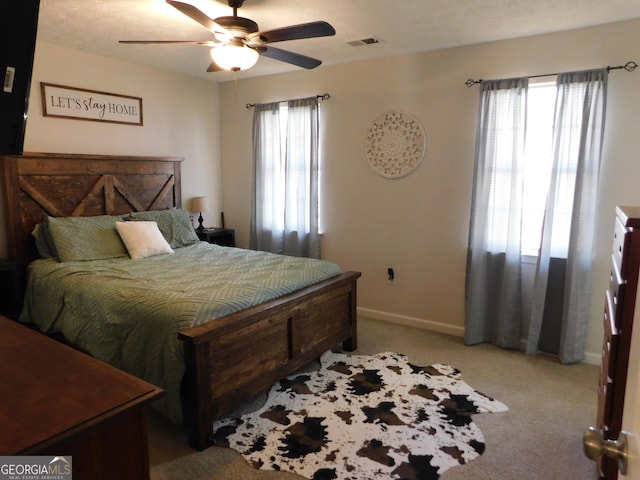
(238, 43)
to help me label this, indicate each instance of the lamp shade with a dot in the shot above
(234, 56)
(198, 204)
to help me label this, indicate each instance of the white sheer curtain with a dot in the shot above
(493, 293)
(285, 193)
(569, 232)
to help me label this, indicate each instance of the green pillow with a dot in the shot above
(44, 243)
(86, 238)
(174, 224)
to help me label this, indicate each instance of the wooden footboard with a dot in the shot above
(231, 359)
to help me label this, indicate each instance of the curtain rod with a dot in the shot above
(322, 96)
(629, 67)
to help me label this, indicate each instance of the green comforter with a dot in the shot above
(129, 312)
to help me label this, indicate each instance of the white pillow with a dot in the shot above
(142, 239)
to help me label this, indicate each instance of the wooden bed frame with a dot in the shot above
(227, 360)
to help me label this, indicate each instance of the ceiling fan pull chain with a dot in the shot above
(235, 83)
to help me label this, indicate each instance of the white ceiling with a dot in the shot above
(401, 26)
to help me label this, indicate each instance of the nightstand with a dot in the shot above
(220, 236)
(10, 296)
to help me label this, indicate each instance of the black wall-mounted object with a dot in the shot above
(18, 28)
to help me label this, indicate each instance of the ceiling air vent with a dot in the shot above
(363, 41)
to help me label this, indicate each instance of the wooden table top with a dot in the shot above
(49, 391)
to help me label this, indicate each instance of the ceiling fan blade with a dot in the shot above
(296, 32)
(197, 15)
(206, 43)
(289, 57)
(213, 67)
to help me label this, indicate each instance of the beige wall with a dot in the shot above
(419, 224)
(181, 118)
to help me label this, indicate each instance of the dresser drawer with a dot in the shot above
(621, 240)
(607, 368)
(617, 291)
(610, 341)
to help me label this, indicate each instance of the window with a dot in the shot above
(538, 150)
(285, 204)
(538, 160)
(535, 175)
(273, 168)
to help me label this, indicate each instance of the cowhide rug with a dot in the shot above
(361, 418)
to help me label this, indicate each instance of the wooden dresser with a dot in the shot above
(55, 400)
(618, 316)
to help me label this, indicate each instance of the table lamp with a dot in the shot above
(197, 205)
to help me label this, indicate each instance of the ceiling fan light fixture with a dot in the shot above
(234, 57)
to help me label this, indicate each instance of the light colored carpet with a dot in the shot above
(540, 437)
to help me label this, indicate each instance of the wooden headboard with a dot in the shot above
(65, 185)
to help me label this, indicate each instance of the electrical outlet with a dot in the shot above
(391, 276)
(9, 75)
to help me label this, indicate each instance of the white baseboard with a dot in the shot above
(590, 358)
(411, 321)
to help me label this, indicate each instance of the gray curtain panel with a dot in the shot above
(493, 307)
(577, 146)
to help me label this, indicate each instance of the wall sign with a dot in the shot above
(395, 144)
(81, 104)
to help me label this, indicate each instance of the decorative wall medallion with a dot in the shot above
(395, 144)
